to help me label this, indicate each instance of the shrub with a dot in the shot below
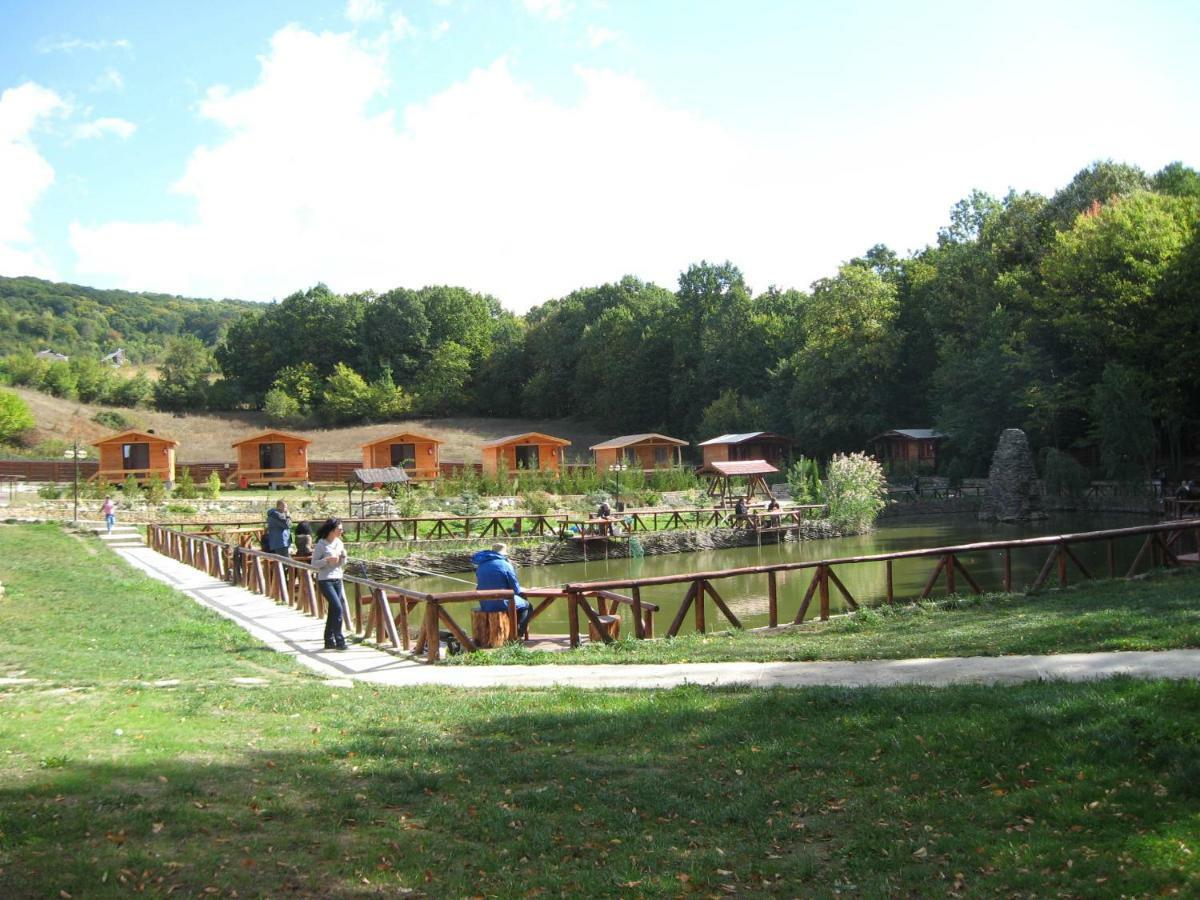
(135, 391)
(409, 501)
(804, 481)
(15, 416)
(185, 486)
(156, 491)
(112, 419)
(855, 487)
(280, 408)
(131, 490)
(181, 509)
(466, 504)
(212, 488)
(60, 380)
(538, 503)
(50, 492)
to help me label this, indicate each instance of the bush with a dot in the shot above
(213, 486)
(50, 492)
(855, 487)
(538, 503)
(181, 509)
(185, 486)
(409, 501)
(135, 391)
(131, 490)
(466, 504)
(15, 416)
(804, 481)
(280, 408)
(112, 419)
(156, 491)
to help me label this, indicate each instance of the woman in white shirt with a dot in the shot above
(329, 556)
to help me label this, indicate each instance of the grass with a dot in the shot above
(1161, 613)
(133, 762)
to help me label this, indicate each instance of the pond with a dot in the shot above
(747, 595)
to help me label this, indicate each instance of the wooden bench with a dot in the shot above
(612, 627)
(491, 629)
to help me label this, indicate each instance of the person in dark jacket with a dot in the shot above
(279, 530)
(493, 572)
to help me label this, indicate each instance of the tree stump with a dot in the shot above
(612, 625)
(491, 629)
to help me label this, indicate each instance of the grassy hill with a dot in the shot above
(207, 437)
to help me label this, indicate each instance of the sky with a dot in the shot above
(528, 148)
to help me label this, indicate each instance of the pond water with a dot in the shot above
(747, 595)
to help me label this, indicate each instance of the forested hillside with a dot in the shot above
(72, 320)
(1074, 316)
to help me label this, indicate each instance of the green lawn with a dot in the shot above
(199, 786)
(1151, 614)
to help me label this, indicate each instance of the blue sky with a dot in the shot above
(529, 147)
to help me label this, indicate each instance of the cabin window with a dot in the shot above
(135, 456)
(404, 456)
(271, 456)
(629, 457)
(662, 456)
(528, 457)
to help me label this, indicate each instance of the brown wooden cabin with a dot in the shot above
(272, 457)
(417, 454)
(764, 445)
(917, 447)
(533, 451)
(141, 454)
(639, 451)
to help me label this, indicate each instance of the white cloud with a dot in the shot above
(108, 80)
(98, 128)
(439, 30)
(598, 35)
(549, 9)
(70, 45)
(401, 27)
(24, 175)
(364, 10)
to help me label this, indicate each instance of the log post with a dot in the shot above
(491, 629)
(639, 628)
(890, 595)
(573, 618)
(773, 600)
(431, 629)
(823, 590)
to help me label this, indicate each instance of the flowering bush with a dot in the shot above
(855, 487)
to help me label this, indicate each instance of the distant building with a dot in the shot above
(918, 447)
(752, 445)
(531, 451)
(142, 454)
(51, 356)
(639, 451)
(416, 454)
(116, 359)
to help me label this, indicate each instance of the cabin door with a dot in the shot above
(404, 456)
(135, 456)
(271, 456)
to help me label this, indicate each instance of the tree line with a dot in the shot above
(1074, 316)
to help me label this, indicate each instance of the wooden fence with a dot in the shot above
(384, 611)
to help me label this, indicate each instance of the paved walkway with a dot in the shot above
(289, 631)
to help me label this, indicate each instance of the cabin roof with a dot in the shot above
(746, 437)
(526, 439)
(743, 467)
(629, 439)
(263, 435)
(393, 438)
(125, 437)
(916, 434)
(386, 475)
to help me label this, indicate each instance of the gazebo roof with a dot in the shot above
(263, 435)
(525, 438)
(630, 439)
(131, 435)
(743, 467)
(388, 475)
(403, 434)
(746, 437)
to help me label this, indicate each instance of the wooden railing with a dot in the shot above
(1181, 509)
(283, 473)
(293, 582)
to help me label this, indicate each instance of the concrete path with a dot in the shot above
(288, 631)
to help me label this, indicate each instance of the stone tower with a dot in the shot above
(1012, 490)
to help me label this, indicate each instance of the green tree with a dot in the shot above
(183, 377)
(281, 408)
(134, 391)
(731, 413)
(1177, 180)
(185, 485)
(1122, 423)
(441, 385)
(93, 379)
(15, 417)
(213, 486)
(59, 380)
(345, 397)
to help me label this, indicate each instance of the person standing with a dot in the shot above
(493, 572)
(279, 529)
(109, 509)
(329, 557)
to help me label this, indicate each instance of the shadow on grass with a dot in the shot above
(585, 793)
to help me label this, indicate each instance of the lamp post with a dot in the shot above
(617, 469)
(76, 454)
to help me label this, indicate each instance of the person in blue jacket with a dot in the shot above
(493, 572)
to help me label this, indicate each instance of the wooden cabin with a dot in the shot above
(533, 451)
(639, 451)
(915, 447)
(417, 454)
(764, 445)
(273, 457)
(141, 454)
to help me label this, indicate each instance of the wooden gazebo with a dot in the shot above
(762, 445)
(532, 451)
(639, 451)
(272, 457)
(142, 454)
(417, 454)
(720, 477)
